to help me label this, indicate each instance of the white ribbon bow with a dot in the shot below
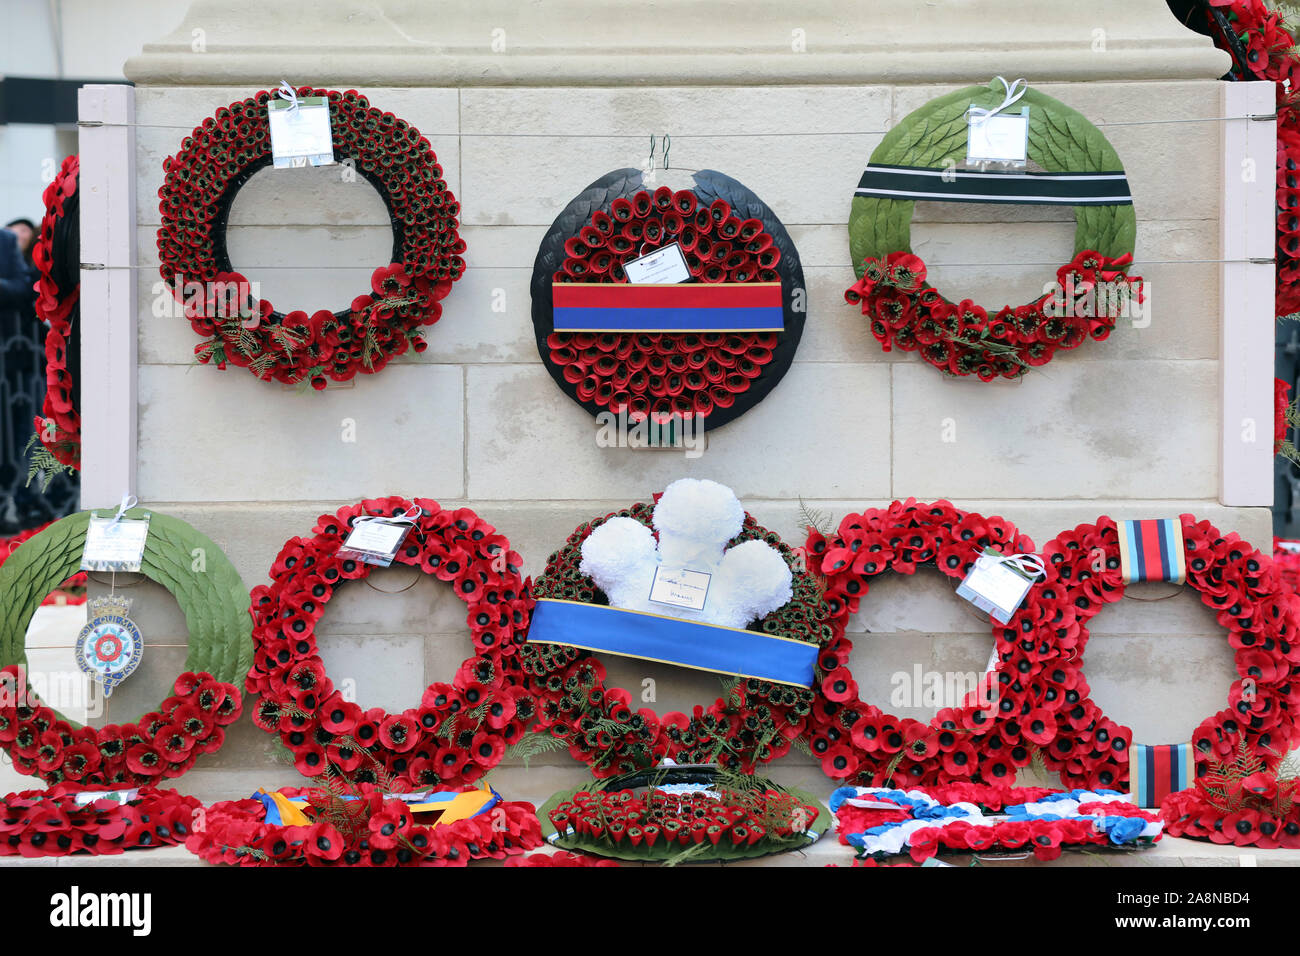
(410, 517)
(288, 93)
(1015, 90)
(1030, 565)
(128, 502)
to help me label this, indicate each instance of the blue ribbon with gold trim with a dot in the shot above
(671, 640)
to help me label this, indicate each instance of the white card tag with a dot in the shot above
(115, 545)
(664, 265)
(86, 798)
(1003, 138)
(680, 587)
(995, 586)
(375, 541)
(863, 804)
(300, 137)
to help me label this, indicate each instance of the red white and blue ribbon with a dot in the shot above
(928, 813)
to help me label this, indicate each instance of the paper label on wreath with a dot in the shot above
(664, 265)
(680, 587)
(375, 541)
(1003, 138)
(87, 797)
(300, 136)
(995, 586)
(115, 545)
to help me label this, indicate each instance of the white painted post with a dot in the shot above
(1246, 327)
(106, 118)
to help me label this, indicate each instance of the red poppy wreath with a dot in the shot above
(385, 320)
(58, 291)
(996, 728)
(729, 239)
(752, 723)
(1263, 48)
(459, 730)
(1236, 581)
(68, 819)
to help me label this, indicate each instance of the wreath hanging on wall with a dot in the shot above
(58, 290)
(730, 238)
(917, 160)
(997, 727)
(385, 320)
(753, 722)
(204, 700)
(1236, 581)
(460, 729)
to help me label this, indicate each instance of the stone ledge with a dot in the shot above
(828, 851)
(694, 42)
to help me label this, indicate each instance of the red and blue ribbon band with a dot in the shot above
(672, 640)
(668, 307)
(1152, 550)
(1154, 772)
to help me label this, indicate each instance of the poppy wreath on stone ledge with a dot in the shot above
(385, 320)
(752, 723)
(669, 815)
(458, 730)
(914, 161)
(380, 831)
(727, 235)
(41, 823)
(1249, 598)
(204, 700)
(995, 729)
(975, 818)
(57, 255)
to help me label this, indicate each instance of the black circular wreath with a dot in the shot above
(752, 723)
(201, 182)
(709, 187)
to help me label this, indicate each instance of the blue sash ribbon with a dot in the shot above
(671, 640)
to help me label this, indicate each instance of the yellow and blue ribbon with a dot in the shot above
(451, 805)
